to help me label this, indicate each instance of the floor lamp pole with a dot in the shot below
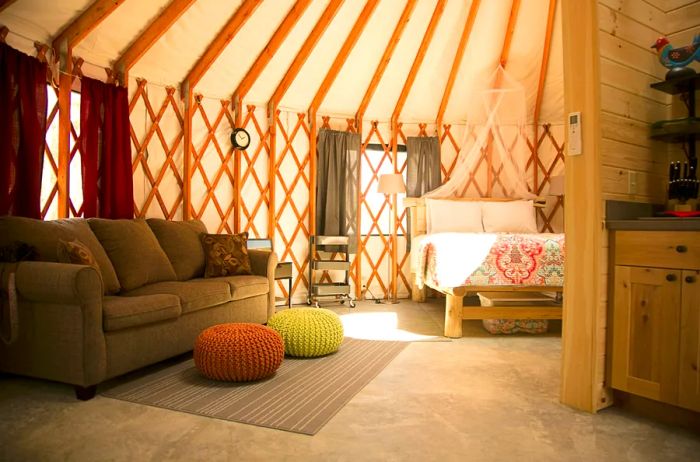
(391, 184)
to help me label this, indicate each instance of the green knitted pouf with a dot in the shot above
(308, 332)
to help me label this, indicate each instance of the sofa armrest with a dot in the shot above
(40, 281)
(60, 334)
(263, 262)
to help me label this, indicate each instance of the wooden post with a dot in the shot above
(454, 302)
(238, 122)
(65, 81)
(583, 329)
(393, 254)
(187, 152)
(272, 171)
(312, 171)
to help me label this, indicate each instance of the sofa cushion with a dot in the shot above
(181, 242)
(241, 287)
(134, 251)
(44, 235)
(226, 255)
(193, 295)
(76, 253)
(123, 312)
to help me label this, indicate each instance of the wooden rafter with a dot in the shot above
(335, 68)
(268, 52)
(299, 60)
(148, 37)
(5, 3)
(305, 51)
(540, 84)
(386, 57)
(418, 60)
(503, 61)
(85, 23)
(223, 38)
(345, 50)
(512, 19)
(459, 54)
(251, 76)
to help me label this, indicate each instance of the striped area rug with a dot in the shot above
(301, 397)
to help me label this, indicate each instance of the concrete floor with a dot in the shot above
(481, 397)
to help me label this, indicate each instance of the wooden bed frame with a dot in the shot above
(455, 312)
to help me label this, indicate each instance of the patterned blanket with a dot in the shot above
(486, 259)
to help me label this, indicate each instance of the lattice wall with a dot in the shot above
(157, 134)
(157, 150)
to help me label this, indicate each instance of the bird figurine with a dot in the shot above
(677, 59)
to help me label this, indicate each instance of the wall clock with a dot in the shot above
(240, 138)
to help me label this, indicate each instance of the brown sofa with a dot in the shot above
(148, 300)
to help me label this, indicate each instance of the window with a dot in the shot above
(49, 189)
(374, 163)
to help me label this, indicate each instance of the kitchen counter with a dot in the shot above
(655, 224)
(636, 216)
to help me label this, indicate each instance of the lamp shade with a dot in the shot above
(556, 186)
(391, 183)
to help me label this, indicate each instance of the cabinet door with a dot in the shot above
(689, 378)
(645, 332)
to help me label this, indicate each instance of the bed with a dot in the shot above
(458, 258)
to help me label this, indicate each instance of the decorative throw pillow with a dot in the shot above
(226, 255)
(77, 253)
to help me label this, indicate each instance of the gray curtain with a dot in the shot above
(338, 171)
(422, 170)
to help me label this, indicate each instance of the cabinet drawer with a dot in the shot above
(660, 249)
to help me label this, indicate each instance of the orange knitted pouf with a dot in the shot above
(238, 352)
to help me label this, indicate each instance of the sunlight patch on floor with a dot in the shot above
(378, 326)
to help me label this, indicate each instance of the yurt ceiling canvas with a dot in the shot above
(171, 57)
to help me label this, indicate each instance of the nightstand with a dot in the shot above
(284, 271)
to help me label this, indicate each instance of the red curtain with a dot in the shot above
(108, 190)
(23, 103)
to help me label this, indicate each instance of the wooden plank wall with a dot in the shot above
(633, 167)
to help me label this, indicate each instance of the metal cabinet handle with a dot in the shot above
(681, 248)
(671, 277)
(690, 279)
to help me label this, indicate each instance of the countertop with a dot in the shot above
(655, 224)
(637, 216)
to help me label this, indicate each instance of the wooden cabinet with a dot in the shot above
(689, 377)
(656, 316)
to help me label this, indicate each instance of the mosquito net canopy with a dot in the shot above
(498, 119)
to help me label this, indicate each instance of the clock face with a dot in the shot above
(240, 138)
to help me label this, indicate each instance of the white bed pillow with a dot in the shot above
(509, 217)
(447, 216)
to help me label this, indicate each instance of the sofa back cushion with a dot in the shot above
(134, 251)
(181, 242)
(45, 236)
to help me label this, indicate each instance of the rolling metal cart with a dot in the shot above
(331, 291)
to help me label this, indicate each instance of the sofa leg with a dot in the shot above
(85, 393)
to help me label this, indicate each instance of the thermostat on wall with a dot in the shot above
(574, 134)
